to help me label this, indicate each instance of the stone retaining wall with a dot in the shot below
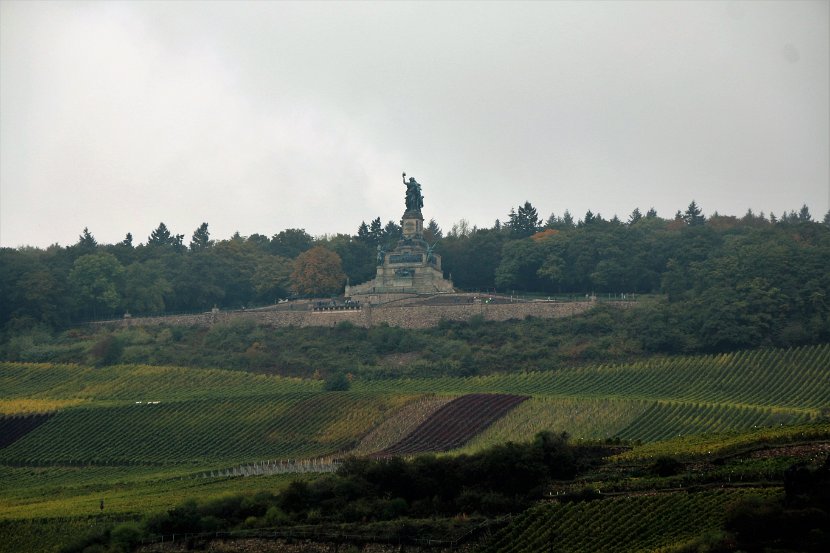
(405, 316)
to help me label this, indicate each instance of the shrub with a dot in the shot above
(125, 537)
(666, 466)
(336, 382)
(106, 351)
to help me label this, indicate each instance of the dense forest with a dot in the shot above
(725, 282)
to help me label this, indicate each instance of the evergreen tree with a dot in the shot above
(128, 240)
(525, 221)
(86, 242)
(433, 230)
(804, 214)
(553, 221)
(635, 216)
(201, 238)
(391, 233)
(567, 219)
(160, 236)
(589, 218)
(651, 213)
(363, 232)
(694, 215)
(376, 231)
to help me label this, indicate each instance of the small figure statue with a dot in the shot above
(429, 251)
(414, 199)
(381, 254)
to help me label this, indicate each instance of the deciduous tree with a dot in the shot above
(318, 272)
(291, 242)
(272, 277)
(145, 287)
(94, 278)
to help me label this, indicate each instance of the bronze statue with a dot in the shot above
(430, 250)
(414, 199)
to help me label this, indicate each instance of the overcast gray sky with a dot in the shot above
(263, 116)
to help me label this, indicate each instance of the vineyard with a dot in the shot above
(144, 415)
(400, 424)
(147, 437)
(14, 427)
(727, 443)
(794, 379)
(633, 523)
(198, 432)
(454, 424)
(23, 381)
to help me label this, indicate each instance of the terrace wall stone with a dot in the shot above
(403, 316)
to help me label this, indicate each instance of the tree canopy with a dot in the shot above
(728, 281)
(318, 272)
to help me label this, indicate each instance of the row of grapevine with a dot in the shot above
(634, 523)
(399, 424)
(21, 406)
(204, 431)
(794, 378)
(589, 418)
(729, 442)
(14, 427)
(27, 380)
(455, 423)
(137, 383)
(669, 419)
(36, 479)
(77, 491)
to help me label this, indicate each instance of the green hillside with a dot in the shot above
(794, 378)
(145, 438)
(143, 415)
(632, 523)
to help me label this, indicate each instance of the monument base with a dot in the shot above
(412, 267)
(403, 280)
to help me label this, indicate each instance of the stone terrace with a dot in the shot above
(412, 312)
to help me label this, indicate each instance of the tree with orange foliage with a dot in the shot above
(542, 234)
(317, 272)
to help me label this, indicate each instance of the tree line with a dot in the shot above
(751, 266)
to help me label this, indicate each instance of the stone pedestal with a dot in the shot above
(412, 224)
(410, 268)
